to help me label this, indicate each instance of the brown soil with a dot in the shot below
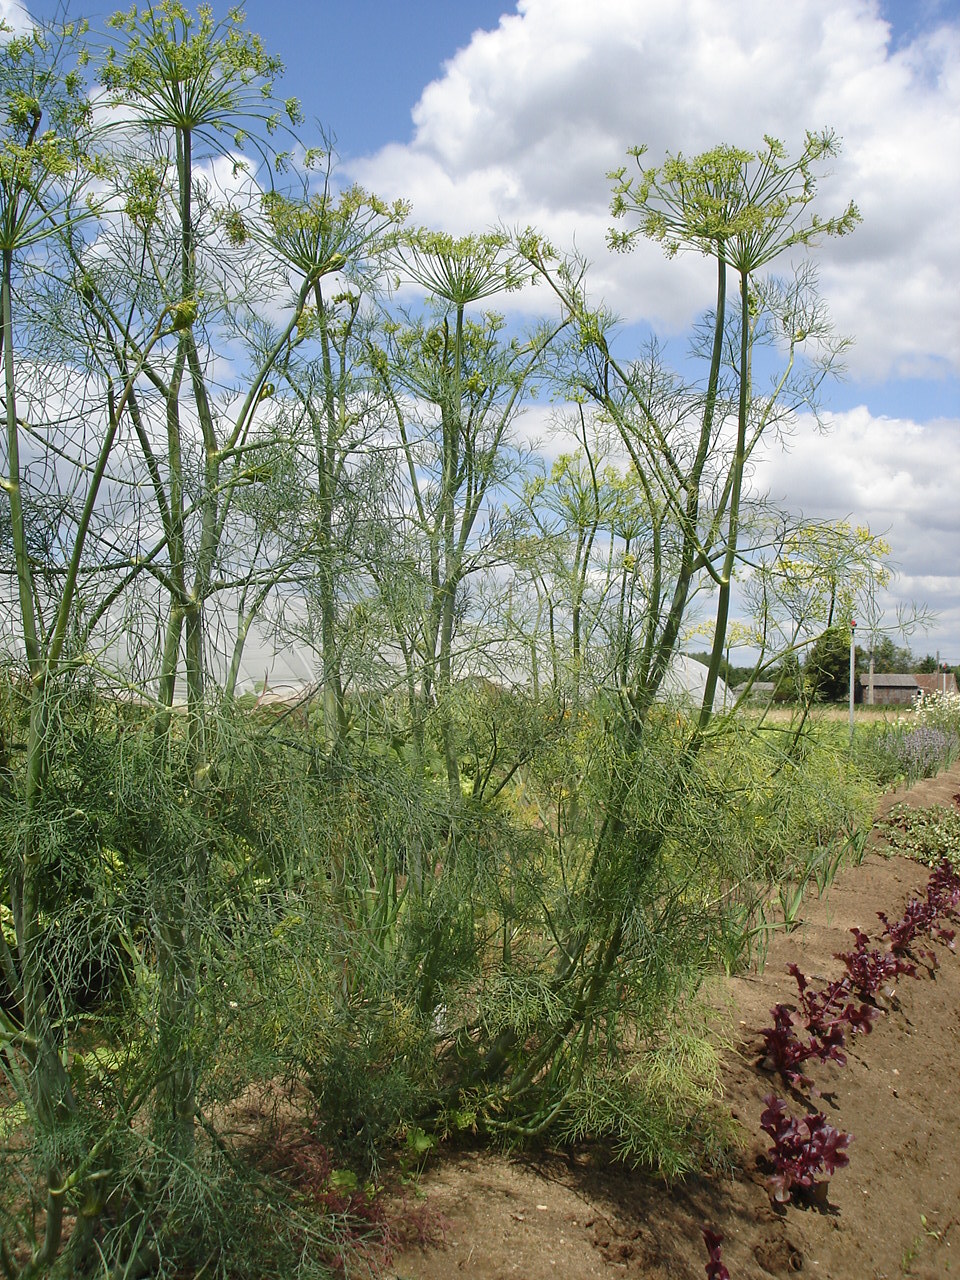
(893, 1212)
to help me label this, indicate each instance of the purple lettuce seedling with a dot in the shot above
(944, 887)
(917, 918)
(824, 1013)
(803, 1147)
(920, 916)
(784, 1051)
(715, 1268)
(827, 1008)
(943, 898)
(870, 971)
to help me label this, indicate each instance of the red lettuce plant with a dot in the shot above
(870, 971)
(917, 918)
(944, 885)
(943, 895)
(827, 1008)
(715, 1268)
(920, 915)
(803, 1147)
(824, 1013)
(783, 1049)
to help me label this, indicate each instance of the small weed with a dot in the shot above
(912, 1251)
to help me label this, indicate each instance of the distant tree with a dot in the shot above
(926, 665)
(827, 668)
(891, 658)
(730, 674)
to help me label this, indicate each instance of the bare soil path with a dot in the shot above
(894, 1212)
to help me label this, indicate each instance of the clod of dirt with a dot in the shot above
(619, 1246)
(778, 1257)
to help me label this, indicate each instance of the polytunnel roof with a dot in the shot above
(686, 679)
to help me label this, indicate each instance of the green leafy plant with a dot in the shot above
(925, 834)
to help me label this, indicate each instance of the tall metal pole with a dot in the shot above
(853, 659)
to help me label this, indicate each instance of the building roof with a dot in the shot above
(891, 680)
(757, 689)
(686, 679)
(932, 682)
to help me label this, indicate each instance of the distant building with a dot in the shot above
(895, 689)
(760, 690)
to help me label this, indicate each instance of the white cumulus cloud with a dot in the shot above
(895, 475)
(14, 16)
(525, 122)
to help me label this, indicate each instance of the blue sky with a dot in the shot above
(358, 66)
(522, 123)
